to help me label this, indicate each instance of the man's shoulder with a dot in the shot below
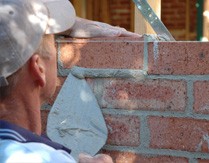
(14, 151)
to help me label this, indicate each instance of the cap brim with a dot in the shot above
(62, 15)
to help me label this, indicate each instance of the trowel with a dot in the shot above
(75, 119)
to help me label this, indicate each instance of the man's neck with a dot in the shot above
(23, 112)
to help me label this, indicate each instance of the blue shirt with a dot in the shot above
(20, 145)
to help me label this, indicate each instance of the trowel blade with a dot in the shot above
(75, 120)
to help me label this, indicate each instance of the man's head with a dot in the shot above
(23, 26)
(46, 53)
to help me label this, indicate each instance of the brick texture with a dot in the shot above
(179, 134)
(120, 13)
(161, 95)
(44, 116)
(179, 58)
(201, 94)
(173, 15)
(134, 107)
(103, 54)
(60, 81)
(123, 130)
(128, 157)
(174, 10)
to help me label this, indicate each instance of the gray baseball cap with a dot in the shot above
(22, 26)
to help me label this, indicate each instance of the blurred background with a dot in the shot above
(187, 20)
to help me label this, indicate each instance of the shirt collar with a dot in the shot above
(17, 133)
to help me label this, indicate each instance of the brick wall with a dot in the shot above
(173, 16)
(159, 116)
(120, 13)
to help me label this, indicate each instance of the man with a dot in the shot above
(27, 78)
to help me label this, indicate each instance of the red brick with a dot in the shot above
(44, 116)
(201, 94)
(203, 161)
(123, 130)
(162, 95)
(103, 53)
(179, 134)
(127, 157)
(179, 58)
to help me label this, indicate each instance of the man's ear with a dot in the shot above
(37, 70)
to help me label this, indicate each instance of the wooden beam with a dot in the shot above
(80, 7)
(187, 19)
(105, 11)
(132, 25)
(98, 10)
(141, 26)
(206, 21)
(89, 9)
